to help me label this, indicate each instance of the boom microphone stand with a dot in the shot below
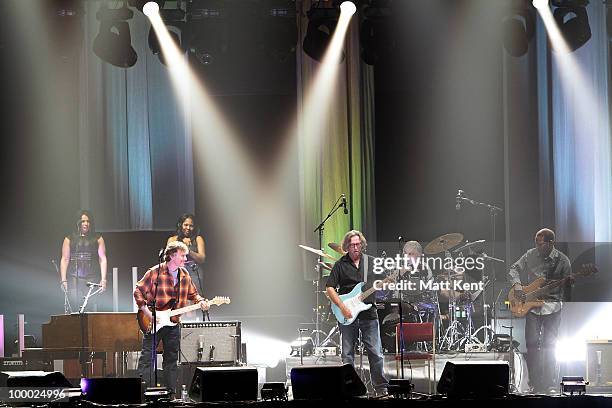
(340, 203)
(493, 211)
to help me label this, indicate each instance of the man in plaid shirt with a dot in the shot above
(174, 290)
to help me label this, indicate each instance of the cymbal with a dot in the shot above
(336, 247)
(326, 265)
(318, 252)
(443, 243)
(469, 245)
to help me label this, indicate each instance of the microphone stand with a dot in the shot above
(320, 229)
(493, 210)
(153, 306)
(89, 294)
(67, 307)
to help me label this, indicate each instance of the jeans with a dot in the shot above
(370, 335)
(541, 338)
(170, 336)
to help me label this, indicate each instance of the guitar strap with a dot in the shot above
(553, 269)
(178, 289)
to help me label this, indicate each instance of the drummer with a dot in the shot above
(413, 250)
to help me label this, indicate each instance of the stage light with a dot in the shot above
(150, 8)
(573, 23)
(518, 29)
(573, 384)
(147, 6)
(206, 34)
(540, 3)
(155, 47)
(321, 25)
(274, 391)
(113, 43)
(377, 40)
(570, 349)
(348, 7)
(279, 30)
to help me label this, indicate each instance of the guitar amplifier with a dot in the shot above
(210, 343)
(599, 363)
(21, 364)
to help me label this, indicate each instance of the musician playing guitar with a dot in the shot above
(174, 289)
(348, 272)
(542, 323)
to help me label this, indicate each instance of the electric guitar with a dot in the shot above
(168, 317)
(354, 299)
(539, 288)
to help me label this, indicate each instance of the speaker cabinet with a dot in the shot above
(599, 363)
(224, 384)
(112, 390)
(21, 364)
(212, 343)
(33, 379)
(326, 382)
(475, 379)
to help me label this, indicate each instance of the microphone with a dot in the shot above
(458, 199)
(343, 204)
(90, 284)
(200, 347)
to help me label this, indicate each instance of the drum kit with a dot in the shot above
(453, 310)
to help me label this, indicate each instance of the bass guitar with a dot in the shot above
(537, 290)
(168, 317)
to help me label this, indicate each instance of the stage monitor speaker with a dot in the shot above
(112, 390)
(213, 343)
(326, 382)
(224, 384)
(475, 379)
(33, 379)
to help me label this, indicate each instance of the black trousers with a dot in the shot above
(541, 337)
(170, 337)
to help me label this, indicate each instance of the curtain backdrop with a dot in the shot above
(336, 155)
(580, 137)
(136, 163)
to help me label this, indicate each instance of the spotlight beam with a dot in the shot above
(214, 141)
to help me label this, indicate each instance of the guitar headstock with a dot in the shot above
(588, 269)
(219, 300)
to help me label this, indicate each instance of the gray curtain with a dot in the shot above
(580, 142)
(136, 163)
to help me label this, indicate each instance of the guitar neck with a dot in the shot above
(185, 309)
(553, 285)
(368, 292)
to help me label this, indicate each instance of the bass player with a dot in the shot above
(542, 323)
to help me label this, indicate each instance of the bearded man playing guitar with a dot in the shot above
(542, 323)
(171, 286)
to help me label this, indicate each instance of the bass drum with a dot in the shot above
(388, 318)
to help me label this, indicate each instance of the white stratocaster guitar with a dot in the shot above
(354, 299)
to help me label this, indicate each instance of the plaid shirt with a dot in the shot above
(166, 291)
